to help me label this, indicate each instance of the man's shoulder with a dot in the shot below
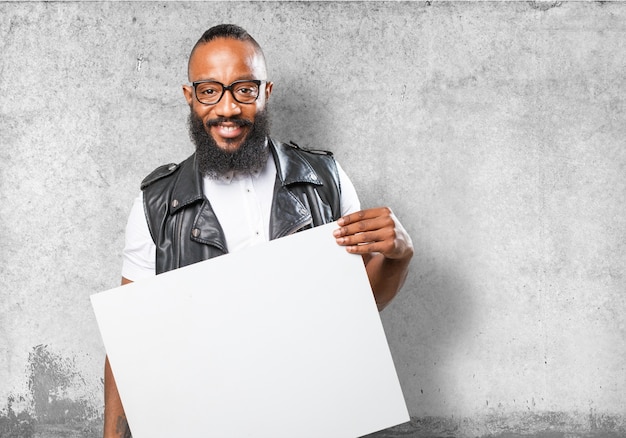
(294, 148)
(158, 174)
(163, 172)
(291, 153)
(303, 165)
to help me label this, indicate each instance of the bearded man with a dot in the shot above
(241, 188)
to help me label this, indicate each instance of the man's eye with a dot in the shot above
(208, 89)
(247, 91)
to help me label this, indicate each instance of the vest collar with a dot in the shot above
(291, 167)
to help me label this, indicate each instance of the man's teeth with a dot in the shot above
(229, 128)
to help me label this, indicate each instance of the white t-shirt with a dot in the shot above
(242, 204)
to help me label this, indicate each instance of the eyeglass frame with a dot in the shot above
(229, 87)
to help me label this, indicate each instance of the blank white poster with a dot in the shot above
(282, 340)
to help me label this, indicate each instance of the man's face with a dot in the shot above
(227, 60)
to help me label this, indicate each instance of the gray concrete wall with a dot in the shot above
(494, 130)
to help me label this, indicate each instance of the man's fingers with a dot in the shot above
(365, 225)
(383, 247)
(374, 230)
(367, 237)
(364, 215)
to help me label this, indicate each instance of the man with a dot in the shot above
(241, 188)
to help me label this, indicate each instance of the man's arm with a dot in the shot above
(385, 245)
(115, 424)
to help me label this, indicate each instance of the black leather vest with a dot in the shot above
(185, 229)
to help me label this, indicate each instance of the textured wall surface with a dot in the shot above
(494, 130)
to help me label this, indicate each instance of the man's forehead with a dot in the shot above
(226, 54)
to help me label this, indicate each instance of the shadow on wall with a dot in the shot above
(427, 327)
(297, 115)
(49, 409)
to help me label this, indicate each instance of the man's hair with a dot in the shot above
(227, 31)
(231, 31)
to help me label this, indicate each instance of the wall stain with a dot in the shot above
(139, 62)
(51, 408)
(514, 425)
(15, 425)
(544, 5)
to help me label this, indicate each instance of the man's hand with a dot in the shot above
(385, 245)
(374, 230)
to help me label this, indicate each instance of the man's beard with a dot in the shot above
(214, 161)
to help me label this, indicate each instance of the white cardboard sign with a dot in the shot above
(282, 340)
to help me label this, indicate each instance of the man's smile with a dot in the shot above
(228, 128)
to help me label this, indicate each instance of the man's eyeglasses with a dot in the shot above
(211, 92)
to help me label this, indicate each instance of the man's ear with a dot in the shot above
(188, 92)
(268, 89)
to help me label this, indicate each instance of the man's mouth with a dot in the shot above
(228, 128)
(227, 131)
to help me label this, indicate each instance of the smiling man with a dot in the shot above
(241, 188)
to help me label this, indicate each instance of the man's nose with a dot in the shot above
(227, 106)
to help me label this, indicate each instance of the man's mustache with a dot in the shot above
(236, 121)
